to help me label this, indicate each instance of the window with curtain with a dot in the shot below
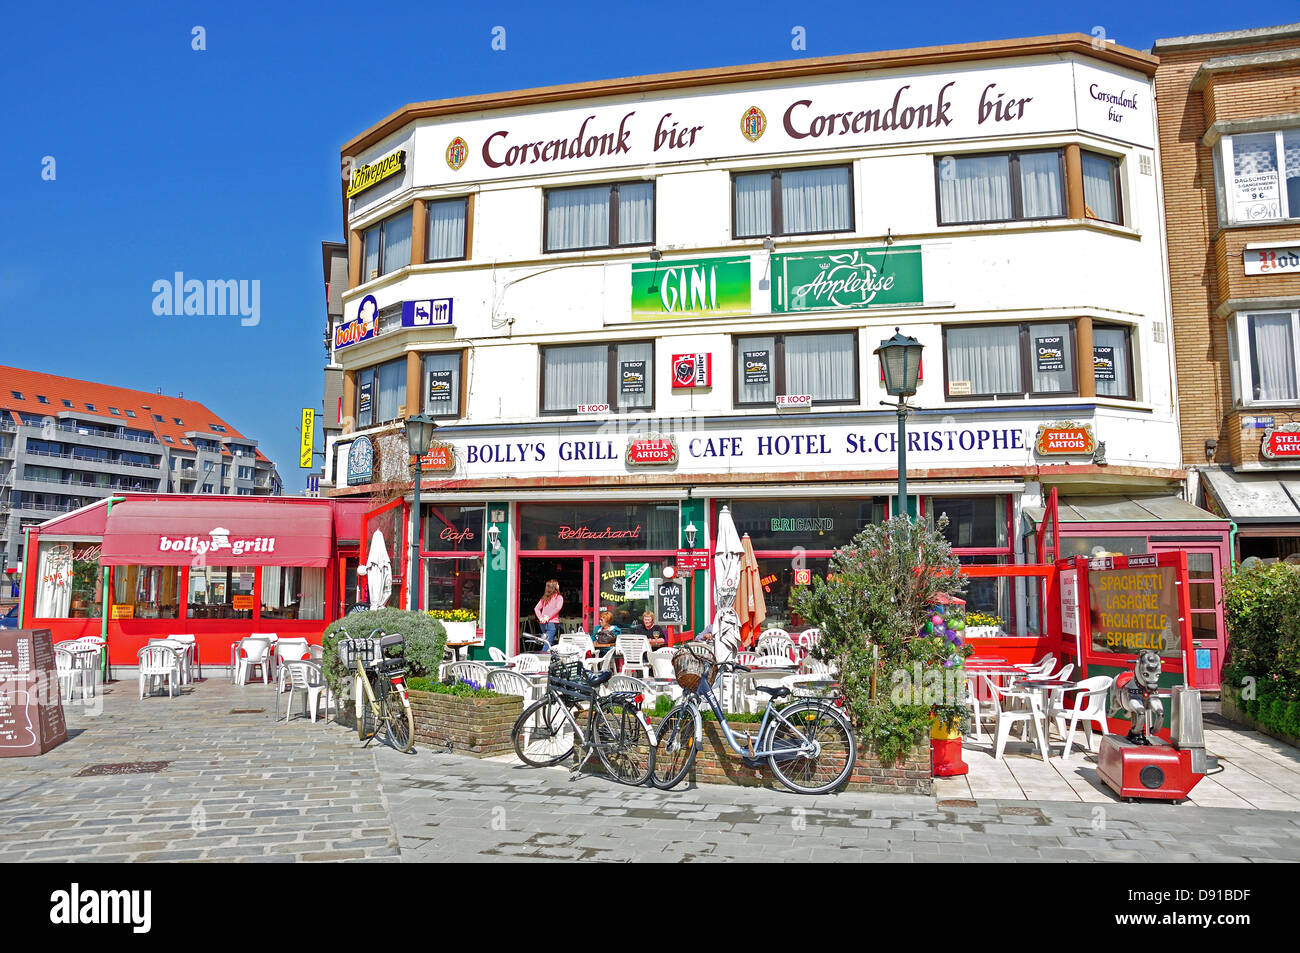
(221, 592)
(1101, 194)
(153, 592)
(293, 592)
(1010, 360)
(1260, 174)
(445, 230)
(824, 365)
(442, 384)
(600, 216)
(1272, 348)
(1112, 359)
(619, 374)
(792, 202)
(381, 393)
(386, 246)
(1005, 187)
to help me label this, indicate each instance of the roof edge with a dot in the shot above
(1207, 41)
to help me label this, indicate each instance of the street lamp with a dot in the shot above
(419, 435)
(900, 362)
(691, 532)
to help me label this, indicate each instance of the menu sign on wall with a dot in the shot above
(1134, 609)
(31, 711)
(698, 287)
(851, 278)
(758, 367)
(1049, 353)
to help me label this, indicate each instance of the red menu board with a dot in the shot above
(31, 712)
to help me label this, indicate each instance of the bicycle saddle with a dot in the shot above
(778, 691)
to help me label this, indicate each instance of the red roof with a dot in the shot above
(33, 385)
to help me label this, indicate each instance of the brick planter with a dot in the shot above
(716, 763)
(478, 727)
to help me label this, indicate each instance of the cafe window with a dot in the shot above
(442, 383)
(1003, 187)
(631, 526)
(974, 522)
(1112, 361)
(779, 576)
(293, 592)
(1258, 175)
(445, 230)
(1095, 546)
(792, 202)
(386, 246)
(1101, 191)
(452, 583)
(221, 592)
(619, 374)
(146, 592)
(822, 365)
(809, 524)
(390, 522)
(1268, 341)
(600, 216)
(381, 393)
(450, 528)
(70, 582)
(1010, 360)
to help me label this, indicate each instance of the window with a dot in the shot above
(823, 365)
(217, 428)
(445, 231)
(42, 400)
(158, 417)
(621, 375)
(1006, 187)
(244, 473)
(17, 394)
(1268, 342)
(131, 414)
(381, 393)
(1112, 361)
(1260, 176)
(70, 583)
(792, 202)
(115, 412)
(386, 247)
(168, 438)
(442, 384)
(292, 592)
(152, 592)
(1010, 360)
(215, 591)
(586, 526)
(600, 216)
(67, 403)
(1101, 192)
(89, 406)
(178, 422)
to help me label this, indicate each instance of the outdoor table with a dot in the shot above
(1046, 686)
(665, 686)
(756, 675)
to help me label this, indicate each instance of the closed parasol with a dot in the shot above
(727, 555)
(378, 571)
(751, 608)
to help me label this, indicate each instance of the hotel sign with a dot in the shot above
(695, 287)
(363, 177)
(852, 278)
(1065, 437)
(1272, 259)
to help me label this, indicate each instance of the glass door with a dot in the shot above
(1204, 593)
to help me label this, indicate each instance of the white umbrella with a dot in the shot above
(727, 555)
(378, 571)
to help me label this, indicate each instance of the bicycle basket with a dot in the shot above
(569, 681)
(350, 650)
(694, 661)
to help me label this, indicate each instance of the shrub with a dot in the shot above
(459, 689)
(424, 640)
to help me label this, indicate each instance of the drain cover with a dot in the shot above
(248, 711)
(958, 802)
(125, 767)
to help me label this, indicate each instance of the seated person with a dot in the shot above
(651, 631)
(606, 632)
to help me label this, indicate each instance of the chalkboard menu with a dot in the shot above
(670, 603)
(31, 713)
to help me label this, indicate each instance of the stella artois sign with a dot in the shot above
(440, 456)
(651, 451)
(1281, 443)
(1065, 437)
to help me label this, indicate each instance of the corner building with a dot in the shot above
(631, 302)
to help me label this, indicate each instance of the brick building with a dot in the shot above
(1229, 129)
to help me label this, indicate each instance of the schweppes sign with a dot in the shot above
(363, 177)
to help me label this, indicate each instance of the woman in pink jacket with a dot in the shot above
(548, 611)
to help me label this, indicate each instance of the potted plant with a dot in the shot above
(461, 624)
(982, 625)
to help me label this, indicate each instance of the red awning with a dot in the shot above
(225, 532)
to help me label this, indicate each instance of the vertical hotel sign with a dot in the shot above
(852, 278)
(308, 440)
(692, 287)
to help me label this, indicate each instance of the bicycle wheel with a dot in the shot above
(400, 719)
(675, 747)
(543, 735)
(622, 742)
(836, 750)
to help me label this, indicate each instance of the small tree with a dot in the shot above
(872, 609)
(423, 641)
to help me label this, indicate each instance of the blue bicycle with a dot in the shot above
(807, 743)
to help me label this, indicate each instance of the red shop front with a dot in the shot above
(147, 566)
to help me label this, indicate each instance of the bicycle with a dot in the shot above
(808, 744)
(379, 689)
(617, 731)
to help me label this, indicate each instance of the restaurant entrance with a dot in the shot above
(573, 573)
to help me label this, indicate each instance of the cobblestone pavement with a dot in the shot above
(242, 787)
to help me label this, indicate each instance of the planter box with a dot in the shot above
(460, 632)
(1231, 709)
(478, 727)
(982, 632)
(716, 763)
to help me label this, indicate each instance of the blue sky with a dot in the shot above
(224, 163)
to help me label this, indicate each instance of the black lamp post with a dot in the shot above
(900, 361)
(419, 436)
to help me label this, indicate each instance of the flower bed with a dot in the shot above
(474, 726)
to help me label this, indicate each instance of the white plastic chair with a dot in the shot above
(528, 664)
(306, 677)
(475, 672)
(772, 661)
(1089, 707)
(253, 652)
(776, 645)
(315, 653)
(192, 662)
(291, 650)
(158, 661)
(1041, 667)
(661, 663)
(775, 630)
(579, 640)
(505, 682)
(496, 655)
(182, 653)
(625, 683)
(635, 651)
(813, 666)
(65, 664)
(1021, 707)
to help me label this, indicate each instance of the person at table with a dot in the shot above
(651, 631)
(548, 610)
(607, 632)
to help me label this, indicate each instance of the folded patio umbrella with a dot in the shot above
(378, 571)
(727, 554)
(751, 608)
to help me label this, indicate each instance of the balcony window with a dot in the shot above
(1101, 192)
(381, 393)
(445, 231)
(1005, 187)
(620, 375)
(824, 366)
(1112, 361)
(1262, 180)
(1268, 341)
(792, 202)
(442, 384)
(386, 246)
(600, 216)
(1010, 360)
